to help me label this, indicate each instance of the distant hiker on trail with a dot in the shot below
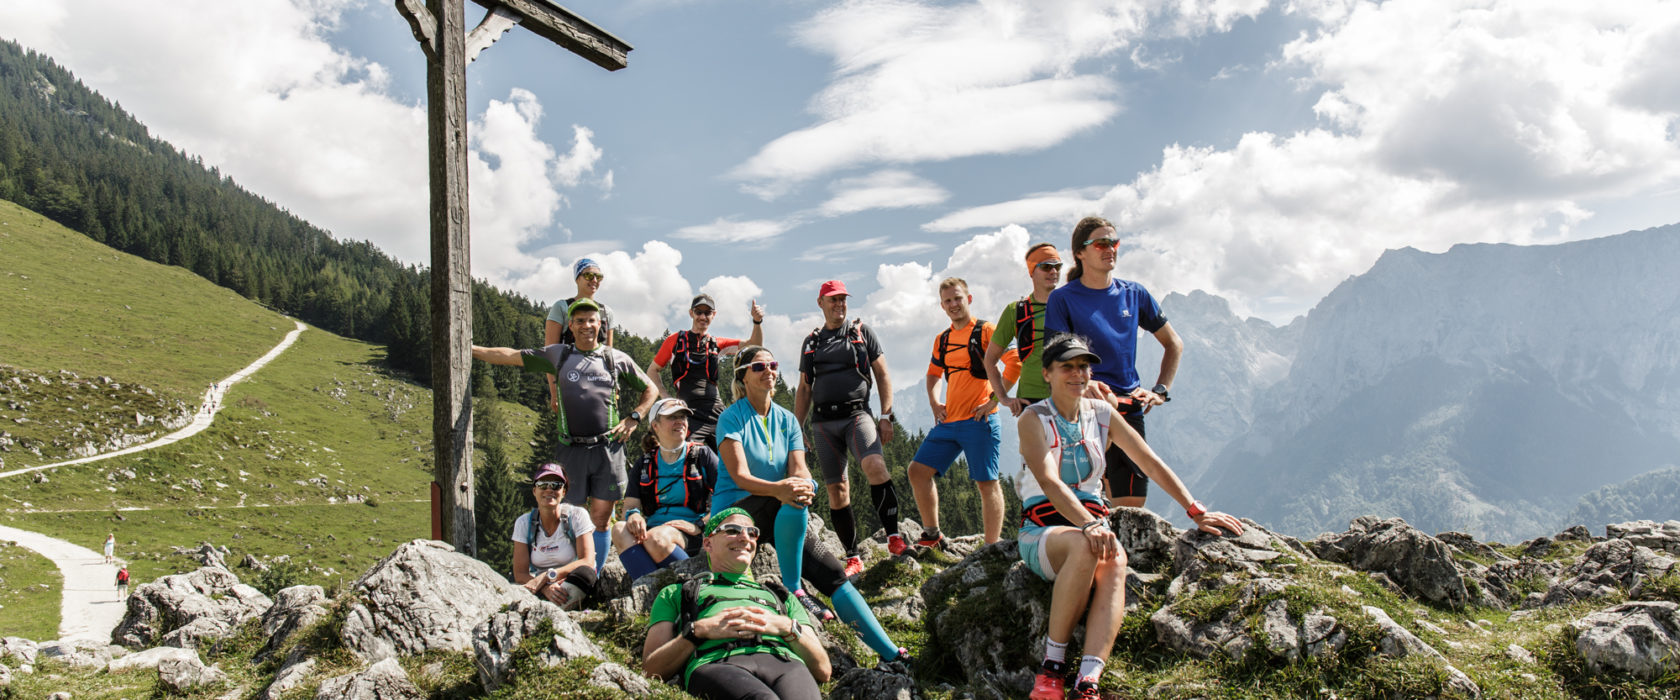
(122, 583)
(837, 365)
(966, 422)
(1023, 323)
(1109, 312)
(552, 546)
(1065, 533)
(732, 637)
(670, 494)
(591, 435)
(110, 547)
(557, 329)
(694, 357)
(765, 475)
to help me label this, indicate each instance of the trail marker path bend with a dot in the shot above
(206, 412)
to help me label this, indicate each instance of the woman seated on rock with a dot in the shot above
(1065, 536)
(764, 474)
(669, 494)
(730, 636)
(553, 553)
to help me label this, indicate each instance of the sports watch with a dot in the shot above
(636, 416)
(1196, 510)
(688, 634)
(1161, 391)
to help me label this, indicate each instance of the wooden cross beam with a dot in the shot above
(440, 27)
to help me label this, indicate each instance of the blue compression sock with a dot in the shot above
(637, 562)
(851, 608)
(790, 545)
(675, 556)
(601, 542)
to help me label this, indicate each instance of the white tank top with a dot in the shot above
(1093, 422)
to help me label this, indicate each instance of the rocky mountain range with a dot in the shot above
(1486, 389)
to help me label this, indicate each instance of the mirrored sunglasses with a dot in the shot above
(761, 366)
(1050, 265)
(737, 530)
(551, 485)
(1104, 243)
(593, 276)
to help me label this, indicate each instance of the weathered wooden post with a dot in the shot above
(440, 27)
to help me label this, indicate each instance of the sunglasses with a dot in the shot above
(593, 276)
(761, 366)
(551, 485)
(737, 530)
(1050, 265)
(704, 312)
(1104, 243)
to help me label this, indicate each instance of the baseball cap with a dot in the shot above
(584, 264)
(832, 288)
(702, 300)
(552, 470)
(670, 407)
(582, 304)
(1067, 346)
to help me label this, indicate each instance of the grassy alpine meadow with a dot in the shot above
(30, 591)
(333, 544)
(76, 310)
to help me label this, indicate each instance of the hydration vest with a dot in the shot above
(697, 490)
(976, 352)
(683, 347)
(1025, 337)
(534, 526)
(775, 598)
(612, 393)
(860, 355)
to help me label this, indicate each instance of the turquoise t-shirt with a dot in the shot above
(767, 440)
(671, 493)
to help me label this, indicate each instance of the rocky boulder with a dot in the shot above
(1399, 642)
(423, 596)
(294, 608)
(1661, 537)
(987, 616)
(185, 674)
(1641, 639)
(18, 649)
(290, 676)
(150, 658)
(1607, 568)
(496, 639)
(77, 654)
(1420, 565)
(186, 610)
(382, 681)
(616, 675)
(1147, 538)
(1203, 559)
(1196, 628)
(871, 684)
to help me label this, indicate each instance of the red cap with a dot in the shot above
(833, 287)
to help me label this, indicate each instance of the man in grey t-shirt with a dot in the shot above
(591, 435)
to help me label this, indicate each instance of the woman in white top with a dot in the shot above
(1065, 536)
(553, 553)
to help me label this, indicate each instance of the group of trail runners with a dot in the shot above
(720, 479)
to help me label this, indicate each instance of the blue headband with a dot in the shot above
(583, 264)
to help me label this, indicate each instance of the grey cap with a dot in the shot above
(1068, 346)
(702, 300)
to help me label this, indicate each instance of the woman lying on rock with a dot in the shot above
(553, 553)
(670, 493)
(764, 474)
(1065, 535)
(730, 636)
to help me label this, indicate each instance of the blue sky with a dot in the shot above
(1263, 151)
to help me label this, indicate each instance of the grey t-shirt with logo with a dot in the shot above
(587, 405)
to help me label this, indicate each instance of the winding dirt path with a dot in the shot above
(91, 607)
(206, 412)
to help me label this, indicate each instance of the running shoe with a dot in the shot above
(854, 566)
(896, 545)
(1086, 690)
(1051, 682)
(937, 540)
(813, 607)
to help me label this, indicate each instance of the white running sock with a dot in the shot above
(1090, 668)
(1054, 651)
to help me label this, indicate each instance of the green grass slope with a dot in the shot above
(30, 593)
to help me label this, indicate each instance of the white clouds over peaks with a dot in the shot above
(917, 82)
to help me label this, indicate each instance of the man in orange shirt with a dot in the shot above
(968, 421)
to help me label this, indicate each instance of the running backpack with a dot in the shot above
(697, 490)
(684, 345)
(860, 352)
(692, 603)
(1025, 337)
(535, 526)
(976, 352)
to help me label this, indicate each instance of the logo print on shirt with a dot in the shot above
(573, 376)
(1125, 313)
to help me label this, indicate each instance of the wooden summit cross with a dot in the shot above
(440, 27)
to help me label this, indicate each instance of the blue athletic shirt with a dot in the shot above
(1110, 318)
(671, 492)
(767, 441)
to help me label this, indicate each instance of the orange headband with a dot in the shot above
(1041, 255)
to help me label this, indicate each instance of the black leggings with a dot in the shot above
(822, 569)
(753, 677)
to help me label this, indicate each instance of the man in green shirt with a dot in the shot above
(737, 638)
(1023, 323)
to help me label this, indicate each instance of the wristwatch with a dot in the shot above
(688, 634)
(636, 416)
(1161, 391)
(1196, 510)
(797, 630)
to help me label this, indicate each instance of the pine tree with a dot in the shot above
(498, 503)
